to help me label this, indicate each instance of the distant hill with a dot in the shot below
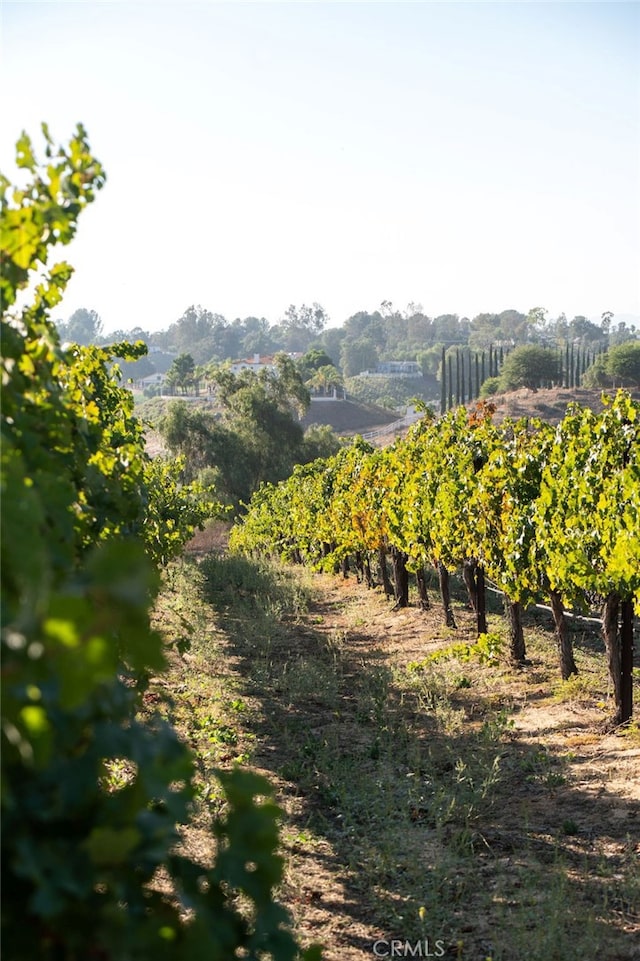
(549, 405)
(347, 416)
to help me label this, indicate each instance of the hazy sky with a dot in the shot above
(466, 156)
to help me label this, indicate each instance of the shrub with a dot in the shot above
(529, 366)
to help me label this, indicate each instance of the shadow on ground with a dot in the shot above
(415, 810)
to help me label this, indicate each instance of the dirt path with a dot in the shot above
(574, 784)
(466, 804)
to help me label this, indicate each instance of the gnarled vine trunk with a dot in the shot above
(368, 576)
(619, 646)
(612, 645)
(400, 577)
(626, 661)
(443, 577)
(473, 576)
(513, 614)
(384, 571)
(565, 647)
(422, 588)
(469, 578)
(481, 594)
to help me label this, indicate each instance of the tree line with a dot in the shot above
(361, 341)
(547, 351)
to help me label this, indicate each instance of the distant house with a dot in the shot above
(395, 368)
(152, 380)
(258, 363)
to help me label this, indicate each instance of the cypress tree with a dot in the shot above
(443, 385)
(571, 368)
(450, 373)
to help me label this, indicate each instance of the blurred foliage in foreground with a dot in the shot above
(89, 862)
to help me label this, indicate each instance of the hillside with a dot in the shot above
(350, 418)
(347, 416)
(548, 405)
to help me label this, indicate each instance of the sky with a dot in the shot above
(466, 157)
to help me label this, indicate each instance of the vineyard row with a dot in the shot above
(547, 513)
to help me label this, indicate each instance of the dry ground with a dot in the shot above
(463, 803)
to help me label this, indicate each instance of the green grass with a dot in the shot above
(440, 820)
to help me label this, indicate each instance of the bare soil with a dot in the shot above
(563, 824)
(546, 404)
(549, 405)
(599, 796)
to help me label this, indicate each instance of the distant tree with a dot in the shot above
(560, 329)
(331, 341)
(257, 337)
(256, 437)
(325, 379)
(619, 367)
(300, 326)
(320, 440)
(413, 309)
(362, 324)
(84, 327)
(130, 336)
(358, 355)
(529, 366)
(213, 451)
(584, 331)
(313, 360)
(202, 334)
(535, 324)
(429, 360)
(451, 329)
(282, 386)
(181, 374)
(622, 333)
(623, 364)
(420, 332)
(606, 320)
(513, 326)
(490, 387)
(485, 330)
(443, 383)
(286, 386)
(314, 318)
